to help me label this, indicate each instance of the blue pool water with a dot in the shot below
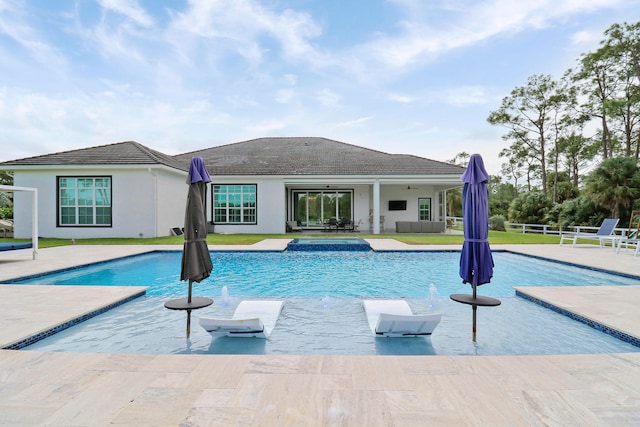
(336, 274)
(352, 244)
(323, 311)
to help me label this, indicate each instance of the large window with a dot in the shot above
(314, 208)
(84, 201)
(424, 209)
(234, 204)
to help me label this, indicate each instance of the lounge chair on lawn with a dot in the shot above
(604, 233)
(250, 319)
(394, 318)
(633, 239)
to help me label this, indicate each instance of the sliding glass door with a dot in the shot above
(312, 208)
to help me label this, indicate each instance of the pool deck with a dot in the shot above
(86, 389)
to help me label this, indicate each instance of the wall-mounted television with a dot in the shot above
(397, 205)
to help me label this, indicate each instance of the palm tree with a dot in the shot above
(615, 184)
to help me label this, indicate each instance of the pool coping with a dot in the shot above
(599, 325)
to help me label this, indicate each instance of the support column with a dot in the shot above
(376, 207)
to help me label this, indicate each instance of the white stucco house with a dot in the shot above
(129, 190)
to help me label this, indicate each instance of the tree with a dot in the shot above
(530, 208)
(563, 189)
(610, 80)
(577, 153)
(501, 194)
(6, 199)
(579, 211)
(615, 184)
(6, 178)
(532, 115)
(623, 45)
(454, 196)
(597, 84)
(514, 168)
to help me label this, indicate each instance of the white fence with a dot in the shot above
(540, 228)
(548, 229)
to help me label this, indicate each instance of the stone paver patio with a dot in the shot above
(86, 389)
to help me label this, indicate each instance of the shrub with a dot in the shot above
(579, 211)
(496, 222)
(6, 212)
(530, 208)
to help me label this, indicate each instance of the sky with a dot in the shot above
(413, 77)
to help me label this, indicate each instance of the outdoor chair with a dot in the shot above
(250, 319)
(394, 318)
(604, 234)
(632, 240)
(345, 225)
(293, 226)
(332, 224)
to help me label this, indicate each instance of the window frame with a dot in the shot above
(243, 212)
(78, 206)
(420, 210)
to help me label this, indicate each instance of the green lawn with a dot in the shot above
(495, 237)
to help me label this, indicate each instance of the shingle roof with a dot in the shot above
(121, 153)
(312, 156)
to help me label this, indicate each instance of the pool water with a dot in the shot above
(323, 311)
(337, 326)
(353, 244)
(334, 274)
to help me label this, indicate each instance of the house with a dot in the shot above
(129, 190)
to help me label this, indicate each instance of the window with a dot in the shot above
(84, 201)
(313, 208)
(424, 209)
(234, 204)
(397, 205)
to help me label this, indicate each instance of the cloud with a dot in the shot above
(404, 99)
(267, 127)
(464, 96)
(432, 29)
(328, 98)
(354, 123)
(248, 28)
(586, 37)
(15, 24)
(130, 9)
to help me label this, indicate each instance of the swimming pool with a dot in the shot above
(336, 274)
(323, 313)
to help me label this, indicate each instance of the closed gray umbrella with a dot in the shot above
(196, 259)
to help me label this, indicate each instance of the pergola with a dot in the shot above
(34, 212)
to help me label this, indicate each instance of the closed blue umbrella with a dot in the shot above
(476, 261)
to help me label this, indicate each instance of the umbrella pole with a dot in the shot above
(475, 309)
(188, 323)
(189, 311)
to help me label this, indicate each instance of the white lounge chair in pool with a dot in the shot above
(250, 319)
(604, 233)
(394, 318)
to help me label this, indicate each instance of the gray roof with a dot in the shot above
(312, 156)
(121, 153)
(283, 156)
